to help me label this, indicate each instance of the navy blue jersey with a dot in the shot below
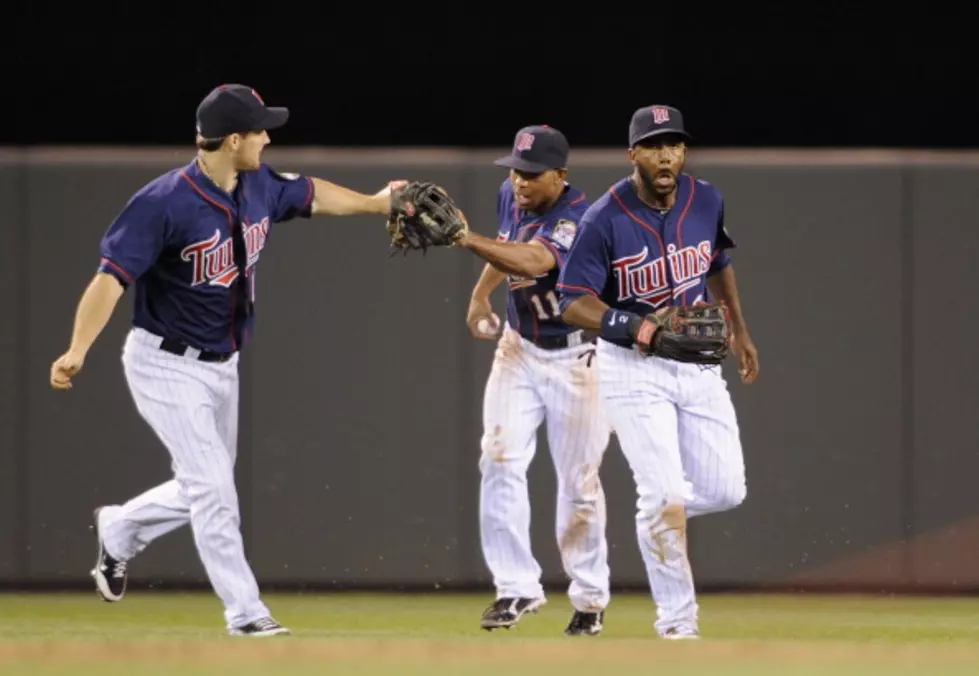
(532, 304)
(637, 259)
(190, 250)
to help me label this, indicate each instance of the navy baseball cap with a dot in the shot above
(654, 121)
(235, 108)
(536, 149)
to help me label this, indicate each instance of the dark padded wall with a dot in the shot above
(358, 466)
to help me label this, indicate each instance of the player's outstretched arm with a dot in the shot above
(723, 287)
(480, 307)
(93, 313)
(527, 259)
(335, 200)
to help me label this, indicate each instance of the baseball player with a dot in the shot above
(542, 370)
(653, 240)
(188, 243)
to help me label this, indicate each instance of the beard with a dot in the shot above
(647, 180)
(650, 184)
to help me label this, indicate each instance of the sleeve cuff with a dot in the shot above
(558, 256)
(116, 270)
(573, 290)
(721, 261)
(307, 207)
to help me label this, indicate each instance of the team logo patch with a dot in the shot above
(288, 176)
(524, 142)
(564, 233)
(660, 114)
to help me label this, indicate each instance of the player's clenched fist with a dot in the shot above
(64, 367)
(483, 323)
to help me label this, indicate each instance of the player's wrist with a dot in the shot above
(619, 326)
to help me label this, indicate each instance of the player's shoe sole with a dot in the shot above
(110, 575)
(260, 628)
(680, 635)
(505, 613)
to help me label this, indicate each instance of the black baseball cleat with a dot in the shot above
(506, 612)
(263, 627)
(110, 575)
(585, 624)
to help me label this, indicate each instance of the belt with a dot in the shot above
(572, 339)
(174, 346)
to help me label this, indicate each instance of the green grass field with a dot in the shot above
(436, 634)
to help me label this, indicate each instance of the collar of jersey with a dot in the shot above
(683, 182)
(204, 184)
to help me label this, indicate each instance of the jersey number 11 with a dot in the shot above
(542, 313)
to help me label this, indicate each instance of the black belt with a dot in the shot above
(174, 346)
(559, 342)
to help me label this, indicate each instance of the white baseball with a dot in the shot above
(488, 325)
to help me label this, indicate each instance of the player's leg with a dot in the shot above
(577, 435)
(180, 399)
(227, 428)
(123, 531)
(710, 442)
(512, 412)
(639, 394)
(128, 528)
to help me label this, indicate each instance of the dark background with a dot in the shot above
(825, 74)
(846, 157)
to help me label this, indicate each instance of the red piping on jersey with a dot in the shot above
(118, 268)
(679, 225)
(231, 224)
(572, 287)
(550, 247)
(310, 194)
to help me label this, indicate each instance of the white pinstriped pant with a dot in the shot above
(526, 386)
(193, 408)
(678, 430)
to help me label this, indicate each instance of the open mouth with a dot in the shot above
(522, 199)
(664, 178)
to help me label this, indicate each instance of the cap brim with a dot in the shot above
(520, 164)
(273, 118)
(663, 132)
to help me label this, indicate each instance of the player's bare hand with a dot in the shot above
(383, 196)
(64, 367)
(747, 355)
(463, 240)
(483, 323)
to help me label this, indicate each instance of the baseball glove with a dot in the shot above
(422, 216)
(700, 334)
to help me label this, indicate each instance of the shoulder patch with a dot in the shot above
(288, 176)
(564, 232)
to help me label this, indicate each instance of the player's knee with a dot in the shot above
(583, 488)
(660, 515)
(214, 493)
(664, 531)
(493, 446)
(674, 516)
